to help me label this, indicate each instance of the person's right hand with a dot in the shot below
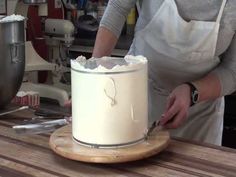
(177, 107)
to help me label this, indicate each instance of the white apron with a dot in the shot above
(179, 51)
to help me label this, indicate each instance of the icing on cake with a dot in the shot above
(109, 100)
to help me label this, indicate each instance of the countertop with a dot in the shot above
(23, 156)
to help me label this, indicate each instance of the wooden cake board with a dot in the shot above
(62, 143)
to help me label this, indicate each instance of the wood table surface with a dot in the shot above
(30, 155)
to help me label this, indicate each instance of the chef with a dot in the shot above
(191, 49)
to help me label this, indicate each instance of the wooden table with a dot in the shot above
(23, 156)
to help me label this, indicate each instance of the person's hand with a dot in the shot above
(177, 106)
(68, 103)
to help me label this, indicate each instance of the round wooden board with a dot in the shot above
(62, 143)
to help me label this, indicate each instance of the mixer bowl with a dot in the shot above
(12, 59)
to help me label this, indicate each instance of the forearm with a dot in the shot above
(111, 26)
(209, 87)
(105, 42)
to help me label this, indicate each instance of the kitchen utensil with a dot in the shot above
(42, 115)
(49, 114)
(154, 128)
(15, 110)
(42, 127)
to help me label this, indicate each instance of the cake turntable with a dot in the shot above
(109, 113)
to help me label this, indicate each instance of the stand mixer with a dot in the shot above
(58, 34)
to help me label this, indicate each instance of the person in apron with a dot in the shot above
(183, 93)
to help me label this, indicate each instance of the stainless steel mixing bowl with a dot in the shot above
(12, 59)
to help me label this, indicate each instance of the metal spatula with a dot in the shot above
(15, 110)
(42, 127)
(155, 127)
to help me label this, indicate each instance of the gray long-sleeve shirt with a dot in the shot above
(204, 10)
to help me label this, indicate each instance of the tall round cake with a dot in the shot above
(109, 100)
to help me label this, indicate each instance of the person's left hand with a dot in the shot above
(68, 104)
(177, 106)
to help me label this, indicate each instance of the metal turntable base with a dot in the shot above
(62, 143)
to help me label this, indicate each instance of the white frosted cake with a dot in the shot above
(109, 100)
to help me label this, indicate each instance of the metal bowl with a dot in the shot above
(12, 59)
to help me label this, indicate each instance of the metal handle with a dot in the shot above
(14, 52)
